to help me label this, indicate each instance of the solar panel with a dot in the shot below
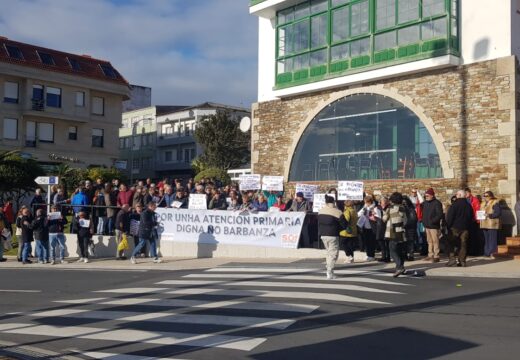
(74, 64)
(14, 52)
(45, 58)
(108, 71)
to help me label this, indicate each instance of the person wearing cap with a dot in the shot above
(432, 215)
(330, 223)
(300, 204)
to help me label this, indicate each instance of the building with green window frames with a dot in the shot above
(396, 93)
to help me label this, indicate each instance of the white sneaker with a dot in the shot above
(370, 258)
(331, 275)
(85, 260)
(157, 260)
(80, 259)
(349, 260)
(132, 260)
(64, 262)
(53, 262)
(41, 262)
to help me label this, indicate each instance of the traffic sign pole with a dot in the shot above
(49, 181)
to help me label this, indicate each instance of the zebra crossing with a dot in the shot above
(232, 308)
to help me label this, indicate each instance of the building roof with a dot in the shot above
(18, 53)
(212, 105)
(168, 109)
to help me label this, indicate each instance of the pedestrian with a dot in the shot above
(395, 219)
(100, 212)
(122, 229)
(410, 230)
(57, 237)
(59, 200)
(279, 204)
(384, 203)
(490, 224)
(517, 214)
(432, 215)
(348, 236)
(5, 233)
(147, 229)
(26, 220)
(260, 204)
(111, 203)
(135, 217)
(458, 220)
(369, 216)
(40, 227)
(330, 223)
(84, 228)
(300, 204)
(476, 236)
(37, 202)
(124, 196)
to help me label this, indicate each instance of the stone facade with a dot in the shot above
(470, 112)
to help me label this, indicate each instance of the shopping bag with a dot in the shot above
(123, 245)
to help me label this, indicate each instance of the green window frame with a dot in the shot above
(319, 39)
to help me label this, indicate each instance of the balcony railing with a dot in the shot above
(30, 142)
(38, 104)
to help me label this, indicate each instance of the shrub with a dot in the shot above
(214, 173)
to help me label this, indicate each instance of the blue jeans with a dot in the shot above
(142, 243)
(26, 249)
(490, 246)
(42, 249)
(57, 239)
(110, 226)
(1, 248)
(102, 220)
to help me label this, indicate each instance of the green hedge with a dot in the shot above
(214, 173)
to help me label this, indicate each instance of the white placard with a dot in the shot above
(350, 190)
(249, 182)
(272, 183)
(481, 215)
(134, 227)
(176, 204)
(307, 190)
(198, 202)
(319, 201)
(264, 229)
(54, 216)
(84, 223)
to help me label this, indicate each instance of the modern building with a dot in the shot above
(140, 97)
(138, 140)
(176, 145)
(57, 107)
(397, 93)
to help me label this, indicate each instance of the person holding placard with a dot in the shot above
(490, 224)
(260, 204)
(56, 236)
(181, 200)
(369, 217)
(84, 228)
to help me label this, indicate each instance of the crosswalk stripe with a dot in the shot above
(169, 317)
(149, 337)
(293, 277)
(275, 294)
(133, 290)
(80, 301)
(240, 305)
(328, 285)
(262, 269)
(109, 356)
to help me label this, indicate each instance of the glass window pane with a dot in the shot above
(80, 98)
(360, 18)
(386, 40)
(339, 52)
(339, 2)
(435, 29)
(10, 130)
(319, 27)
(301, 62)
(319, 6)
(98, 105)
(46, 132)
(408, 10)
(37, 92)
(283, 37)
(299, 37)
(385, 14)
(11, 92)
(408, 35)
(318, 57)
(340, 24)
(285, 16)
(360, 47)
(285, 65)
(433, 7)
(301, 11)
(53, 97)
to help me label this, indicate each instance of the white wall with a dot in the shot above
(266, 60)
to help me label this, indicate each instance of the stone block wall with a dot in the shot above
(470, 112)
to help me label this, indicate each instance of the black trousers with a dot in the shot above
(369, 239)
(398, 253)
(348, 244)
(385, 249)
(83, 242)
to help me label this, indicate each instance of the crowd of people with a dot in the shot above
(397, 226)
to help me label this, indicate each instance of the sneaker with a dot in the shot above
(349, 260)
(157, 260)
(429, 258)
(370, 258)
(80, 259)
(331, 275)
(53, 262)
(436, 260)
(85, 260)
(398, 272)
(27, 262)
(41, 262)
(64, 262)
(3, 259)
(132, 260)
(451, 262)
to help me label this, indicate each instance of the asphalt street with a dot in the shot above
(244, 311)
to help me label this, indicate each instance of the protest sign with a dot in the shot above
(249, 182)
(54, 215)
(84, 223)
(272, 183)
(198, 202)
(350, 190)
(307, 190)
(319, 201)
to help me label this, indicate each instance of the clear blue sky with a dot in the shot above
(188, 51)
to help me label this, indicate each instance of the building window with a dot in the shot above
(168, 156)
(46, 58)
(45, 132)
(14, 52)
(433, 7)
(407, 10)
(73, 133)
(10, 129)
(135, 164)
(97, 138)
(74, 64)
(127, 143)
(121, 143)
(98, 105)
(365, 137)
(80, 98)
(146, 163)
(108, 71)
(30, 134)
(11, 92)
(53, 97)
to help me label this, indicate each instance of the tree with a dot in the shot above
(224, 145)
(17, 175)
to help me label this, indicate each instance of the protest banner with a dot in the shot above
(319, 201)
(264, 229)
(198, 202)
(272, 183)
(350, 190)
(249, 182)
(307, 190)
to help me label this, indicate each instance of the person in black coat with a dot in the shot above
(432, 215)
(459, 219)
(84, 227)
(410, 228)
(27, 234)
(40, 227)
(147, 232)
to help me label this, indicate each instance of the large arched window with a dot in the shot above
(365, 137)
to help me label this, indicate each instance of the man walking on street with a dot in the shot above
(458, 220)
(432, 215)
(330, 222)
(147, 229)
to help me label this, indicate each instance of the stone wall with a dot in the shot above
(470, 112)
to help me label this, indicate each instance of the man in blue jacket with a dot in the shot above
(147, 232)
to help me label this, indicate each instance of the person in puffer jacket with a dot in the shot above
(395, 218)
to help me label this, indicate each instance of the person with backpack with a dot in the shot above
(395, 219)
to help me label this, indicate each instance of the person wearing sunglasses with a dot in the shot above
(490, 224)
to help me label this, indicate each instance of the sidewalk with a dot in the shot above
(477, 266)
